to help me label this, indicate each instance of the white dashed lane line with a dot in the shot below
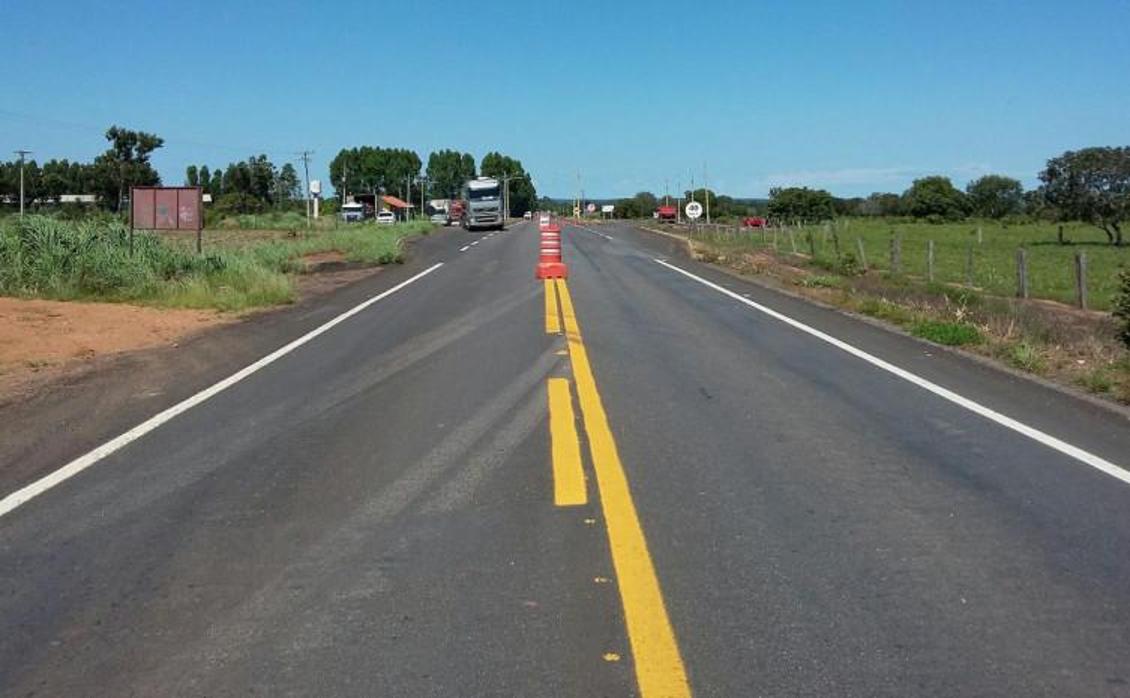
(464, 248)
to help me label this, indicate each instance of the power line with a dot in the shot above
(101, 130)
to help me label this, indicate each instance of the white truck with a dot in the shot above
(483, 208)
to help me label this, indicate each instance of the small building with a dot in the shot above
(398, 206)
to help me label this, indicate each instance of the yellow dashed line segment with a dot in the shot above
(552, 323)
(568, 474)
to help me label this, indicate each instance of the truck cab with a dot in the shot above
(483, 199)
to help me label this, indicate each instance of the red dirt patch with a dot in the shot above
(36, 334)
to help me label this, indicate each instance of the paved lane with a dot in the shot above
(724, 500)
(824, 528)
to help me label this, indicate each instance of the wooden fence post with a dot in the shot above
(930, 261)
(1021, 273)
(836, 242)
(1081, 279)
(896, 253)
(980, 236)
(792, 240)
(969, 264)
(812, 243)
(862, 253)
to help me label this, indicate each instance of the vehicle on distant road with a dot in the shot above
(439, 217)
(386, 216)
(484, 204)
(352, 212)
(455, 210)
(544, 219)
(528, 215)
(754, 222)
(666, 213)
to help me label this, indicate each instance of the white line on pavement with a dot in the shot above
(25, 494)
(464, 248)
(475, 243)
(1052, 442)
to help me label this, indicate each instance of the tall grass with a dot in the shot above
(68, 260)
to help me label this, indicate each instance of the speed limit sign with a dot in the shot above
(694, 210)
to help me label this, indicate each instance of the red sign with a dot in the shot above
(166, 208)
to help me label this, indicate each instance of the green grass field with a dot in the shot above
(91, 260)
(1051, 266)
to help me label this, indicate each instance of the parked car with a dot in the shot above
(439, 217)
(754, 222)
(386, 217)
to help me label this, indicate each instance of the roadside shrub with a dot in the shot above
(1024, 355)
(821, 282)
(849, 265)
(948, 333)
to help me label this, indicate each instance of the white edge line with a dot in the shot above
(76, 466)
(1063, 447)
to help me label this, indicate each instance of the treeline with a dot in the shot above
(251, 186)
(397, 171)
(721, 206)
(1090, 185)
(124, 164)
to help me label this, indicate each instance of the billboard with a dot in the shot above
(166, 208)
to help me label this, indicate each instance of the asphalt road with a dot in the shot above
(764, 513)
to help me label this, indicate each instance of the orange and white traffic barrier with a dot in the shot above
(550, 265)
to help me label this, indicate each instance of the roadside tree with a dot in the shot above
(125, 164)
(523, 196)
(800, 204)
(1091, 185)
(936, 199)
(447, 171)
(995, 196)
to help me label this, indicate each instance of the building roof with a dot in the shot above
(395, 202)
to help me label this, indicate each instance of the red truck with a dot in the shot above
(754, 222)
(666, 214)
(455, 212)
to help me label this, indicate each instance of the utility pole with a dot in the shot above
(706, 193)
(22, 154)
(506, 192)
(305, 155)
(422, 181)
(679, 201)
(666, 193)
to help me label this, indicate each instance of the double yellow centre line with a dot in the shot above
(659, 666)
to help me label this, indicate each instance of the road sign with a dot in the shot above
(694, 210)
(607, 208)
(591, 208)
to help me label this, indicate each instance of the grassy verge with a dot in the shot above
(992, 251)
(91, 260)
(1071, 346)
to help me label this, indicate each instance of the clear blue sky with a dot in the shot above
(852, 96)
